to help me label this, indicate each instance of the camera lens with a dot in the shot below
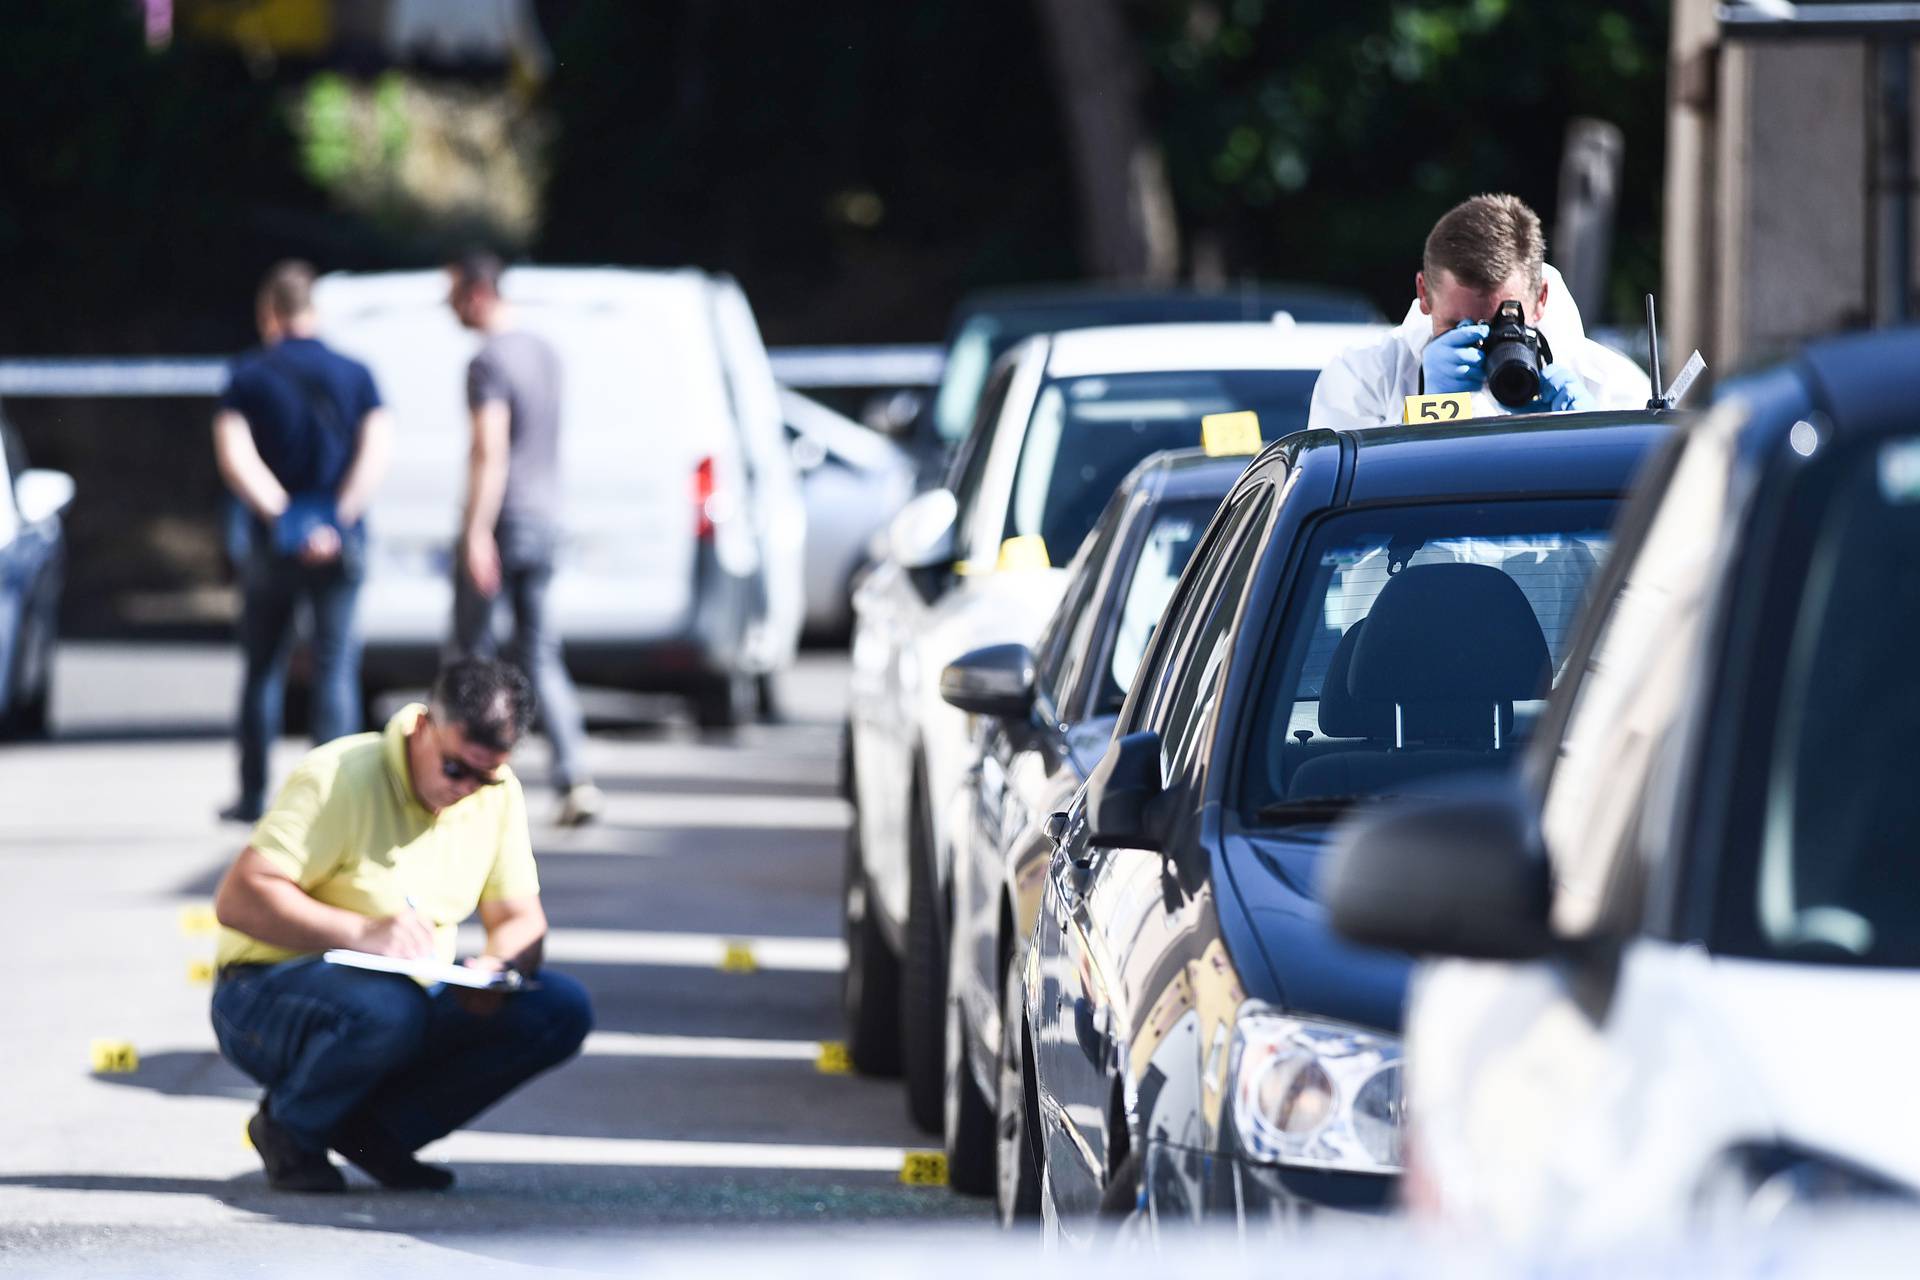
(1513, 372)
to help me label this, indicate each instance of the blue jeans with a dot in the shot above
(274, 587)
(332, 1044)
(526, 572)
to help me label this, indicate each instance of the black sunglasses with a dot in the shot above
(454, 769)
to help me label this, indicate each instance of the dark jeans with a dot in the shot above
(331, 1043)
(526, 572)
(274, 587)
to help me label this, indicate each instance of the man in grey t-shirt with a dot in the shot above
(511, 529)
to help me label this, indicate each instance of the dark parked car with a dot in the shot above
(1044, 722)
(987, 324)
(1369, 613)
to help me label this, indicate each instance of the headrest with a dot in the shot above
(1453, 633)
(1341, 714)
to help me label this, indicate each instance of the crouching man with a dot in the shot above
(385, 842)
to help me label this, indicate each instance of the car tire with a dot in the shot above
(766, 699)
(923, 984)
(724, 702)
(967, 1117)
(1016, 1138)
(870, 984)
(30, 716)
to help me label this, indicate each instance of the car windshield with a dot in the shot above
(1419, 642)
(1830, 877)
(1164, 552)
(1087, 433)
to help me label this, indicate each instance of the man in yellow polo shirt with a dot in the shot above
(385, 842)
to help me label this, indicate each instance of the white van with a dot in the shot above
(680, 569)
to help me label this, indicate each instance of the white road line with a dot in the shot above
(526, 1148)
(680, 950)
(730, 812)
(627, 1044)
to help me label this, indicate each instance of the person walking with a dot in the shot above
(511, 528)
(384, 843)
(301, 441)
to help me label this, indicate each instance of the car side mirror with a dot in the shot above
(922, 534)
(996, 680)
(1119, 791)
(1462, 876)
(42, 495)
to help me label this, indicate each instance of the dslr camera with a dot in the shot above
(1515, 354)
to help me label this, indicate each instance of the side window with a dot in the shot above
(1077, 618)
(1187, 597)
(1633, 684)
(1195, 687)
(970, 465)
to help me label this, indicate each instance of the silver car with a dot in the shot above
(33, 556)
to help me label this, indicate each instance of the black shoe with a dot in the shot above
(243, 810)
(386, 1161)
(290, 1166)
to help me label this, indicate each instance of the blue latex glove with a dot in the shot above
(1451, 361)
(1561, 391)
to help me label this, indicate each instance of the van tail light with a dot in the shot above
(703, 487)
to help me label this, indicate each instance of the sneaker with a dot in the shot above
(581, 805)
(290, 1166)
(386, 1161)
(243, 810)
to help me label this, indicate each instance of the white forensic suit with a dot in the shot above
(1368, 385)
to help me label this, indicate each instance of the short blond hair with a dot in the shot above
(1486, 241)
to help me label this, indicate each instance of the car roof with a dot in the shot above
(341, 293)
(1519, 455)
(1172, 348)
(1866, 382)
(1028, 306)
(1176, 475)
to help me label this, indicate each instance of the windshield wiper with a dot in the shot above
(1296, 813)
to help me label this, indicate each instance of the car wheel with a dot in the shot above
(724, 702)
(1015, 1137)
(968, 1120)
(766, 698)
(870, 986)
(923, 984)
(30, 717)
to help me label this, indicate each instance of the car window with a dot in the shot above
(1144, 591)
(1086, 433)
(1193, 687)
(974, 350)
(1189, 595)
(1419, 641)
(970, 464)
(1629, 694)
(1823, 869)
(1064, 641)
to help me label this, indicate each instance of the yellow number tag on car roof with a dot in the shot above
(1222, 434)
(1028, 551)
(1428, 411)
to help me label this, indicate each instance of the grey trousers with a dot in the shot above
(526, 571)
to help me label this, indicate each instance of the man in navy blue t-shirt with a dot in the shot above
(301, 440)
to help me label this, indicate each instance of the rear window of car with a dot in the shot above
(1419, 641)
(1086, 433)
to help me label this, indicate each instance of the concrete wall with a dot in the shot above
(1769, 218)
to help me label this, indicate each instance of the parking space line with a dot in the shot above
(627, 1044)
(682, 950)
(525, 1148)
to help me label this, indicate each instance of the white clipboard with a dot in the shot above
(455, 975)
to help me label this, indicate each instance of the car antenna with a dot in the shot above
(1682, 382)
(1659, 400)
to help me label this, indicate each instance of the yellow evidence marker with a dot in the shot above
(199, 972)
(198, 920)
(924, 1169)
(738, 958)
(833, 1060)
(1024, 551)
(1437, 410)
(113, 1058)
(1225, 434)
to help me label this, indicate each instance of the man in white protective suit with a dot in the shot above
(1485, 251)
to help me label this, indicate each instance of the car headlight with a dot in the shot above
(1322, 1095)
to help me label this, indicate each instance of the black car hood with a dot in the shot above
(1277, 933)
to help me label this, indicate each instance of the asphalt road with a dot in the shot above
(700, 1106)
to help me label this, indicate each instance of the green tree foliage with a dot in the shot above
(1322, 140)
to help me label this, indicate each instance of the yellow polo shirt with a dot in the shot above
(348, 828)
